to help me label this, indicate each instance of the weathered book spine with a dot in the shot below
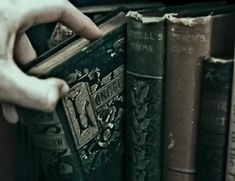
(230, 165)
(214, 118)
(144, 89)
(187, 41)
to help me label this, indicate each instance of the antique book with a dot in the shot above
(190, 36)
(144, 88)
(230, 165)
(146, 55)
(214, 109)
(83, 139)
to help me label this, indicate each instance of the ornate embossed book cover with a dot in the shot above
(83, 139)
(214, 118)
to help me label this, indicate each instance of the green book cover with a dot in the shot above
(214, 118)
(83, 139)
(144, 88)
(230, 163)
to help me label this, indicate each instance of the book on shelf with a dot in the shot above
(230, 164)
(144, 89)
(216, 86)
(190, 36)
(83, 138)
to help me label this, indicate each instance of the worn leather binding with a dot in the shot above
(214, 118)
(230, 166)
(191, 36)
(83, 139)
(144, 82)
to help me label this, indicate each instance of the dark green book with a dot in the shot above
(83, 139)
(230, 164)
(144, 88)
(214, 118)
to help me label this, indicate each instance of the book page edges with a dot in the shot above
(75, 47)
(145, 19)
(187, 21)
(218, 60)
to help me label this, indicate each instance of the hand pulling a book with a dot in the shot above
(17, 88)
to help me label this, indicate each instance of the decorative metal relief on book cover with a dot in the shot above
(83, 138)
(94, 113)
(94, 106)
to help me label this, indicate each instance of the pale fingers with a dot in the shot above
(27, 91)
(23, 53)
(23, 50)
(16, 87)
(45, 11)
(10, 113)
(6, 43)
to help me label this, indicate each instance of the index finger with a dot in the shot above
(44, 11)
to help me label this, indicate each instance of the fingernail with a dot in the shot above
(10, 113)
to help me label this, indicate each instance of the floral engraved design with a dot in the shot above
(144, 101)
(138, 132)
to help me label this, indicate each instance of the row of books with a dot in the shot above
(148, 101)
(168, 135)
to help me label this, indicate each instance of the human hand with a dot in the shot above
(17, 88)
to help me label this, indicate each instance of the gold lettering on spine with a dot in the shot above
(107, 92)
(214, 121)
(56, 142)
(142, 40)
(143, 35)
(217, 105)
(184, 37)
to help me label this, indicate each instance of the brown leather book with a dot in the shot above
(191, 36)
